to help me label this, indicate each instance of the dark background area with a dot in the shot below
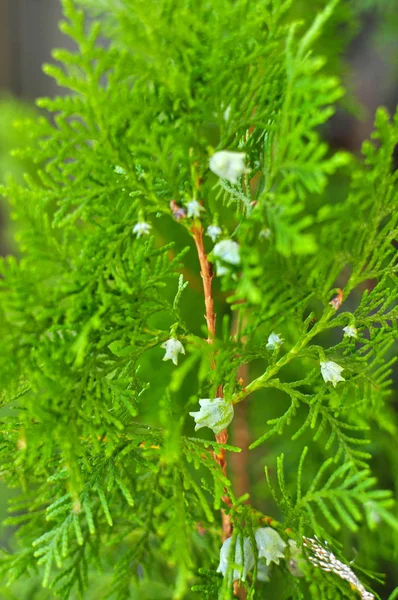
(28, 32)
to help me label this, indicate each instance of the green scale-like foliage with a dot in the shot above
(117, 496)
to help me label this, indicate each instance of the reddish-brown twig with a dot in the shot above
(210, 316)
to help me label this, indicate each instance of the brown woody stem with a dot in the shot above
(210, 316)
(207, 278)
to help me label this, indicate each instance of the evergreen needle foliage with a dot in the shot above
(118, 497)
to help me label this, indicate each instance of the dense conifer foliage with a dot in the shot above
(197, 334)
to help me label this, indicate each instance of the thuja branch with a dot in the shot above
(210, 316)
(293, 353)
